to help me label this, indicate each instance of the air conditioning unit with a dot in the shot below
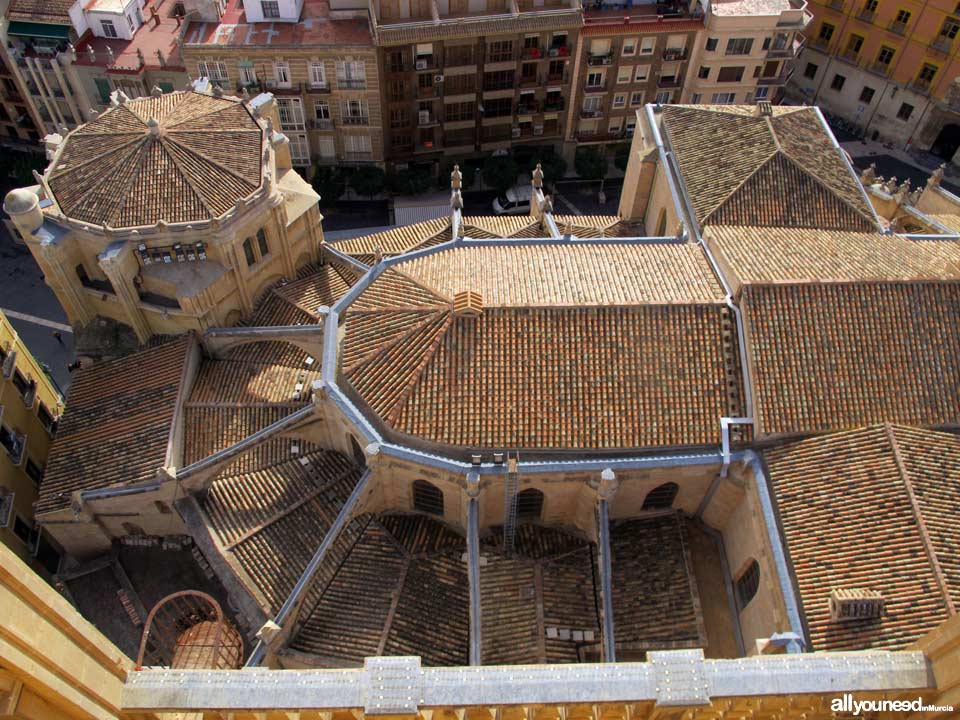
(6, 510)
(538, 129)
(515, 132)
(424, 116)
(438, 78)
(421, 64)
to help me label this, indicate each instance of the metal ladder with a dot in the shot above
(510, 489)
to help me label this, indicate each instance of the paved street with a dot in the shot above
(33, 309)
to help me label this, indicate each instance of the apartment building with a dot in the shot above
(747, 51)
(320, 65)
(890, 68)
(463, 78)
(627, 58)
(30, 407)
(18, 119)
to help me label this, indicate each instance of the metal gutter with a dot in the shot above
(292, 604)
(606, 582)
(473, 573)
(104, 493)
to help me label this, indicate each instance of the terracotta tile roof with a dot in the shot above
(408, 569)
(245, 382)
(494, 226)
(589, 225)
(56, 12)
(950, 221)
(829, 491)
(269, 520)
(571, 275)
(843, 355)
(763, 171)
(114, 171)
(393, 242)
(764, 254)
(324, 286)
(117, 423)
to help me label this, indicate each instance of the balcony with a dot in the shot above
(318, 88)
(850, 56)
(554, 105)
(774, 80)
(347, 84)
(880, 68)
(587, 114)
(560, 51)
(398, 68)
(14, 444)
(941, 45)
(357, 156)
(533, 53)
(252, 87)
(595, 60)
(557, 78)
(425, 62)
(528, 108)
(596, 88)
(499, 56)
(428, 91)
(675, 54)
(867, 15)
(529, 80)
(897, 27)
(819, 43)
(669, 81)
(355, 120)
(920, 85)
(498, 85)
(325, 124)
(454, 59)
(289, 88)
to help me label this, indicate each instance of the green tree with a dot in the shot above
(500, 173)
(329, 183)
(591, 164)
(412, 181)
(621, 157)
(368, 180)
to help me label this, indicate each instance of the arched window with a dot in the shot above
(661, 497)
(359, 457)
(747, 584)
(529, 505)
(427, 498)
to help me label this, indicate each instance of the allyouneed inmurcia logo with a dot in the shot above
(847, 703)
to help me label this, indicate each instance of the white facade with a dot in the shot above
(273, 10)
(111, 19)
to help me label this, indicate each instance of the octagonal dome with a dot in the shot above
(180, 157)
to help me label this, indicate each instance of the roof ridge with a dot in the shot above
(396, 339)
(823, 183)
(186, 98)
(134, 137)
(414, 377)
(713, 210)
(918, 516)
(134, 174)
(184, 174)
(118, 167)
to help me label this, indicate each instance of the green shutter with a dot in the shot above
(103, 87)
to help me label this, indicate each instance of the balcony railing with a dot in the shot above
(459, 59)
(670, 81)
(529, 80)
(554, 105)
(288, 88)
(851, 56)
(920, 85)
(349, 84)
(358, 155)
(355, 120)
(428, 91)
(318, 87)
(501, 56)
(596, 88)
(584, 113)
(867, 15)
(252, 87)
(820, 43)
(941, 45)
(675, 54)
(775, 80)
(326, 124)
(533, 53)
(895, 26)
(497, 85)
(14, 444)
(880, 68)
(528, 108)
(594, 60)
(557, 77)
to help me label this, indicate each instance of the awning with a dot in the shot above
(39, 30)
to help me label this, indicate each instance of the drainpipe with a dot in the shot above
(473, 567)
(751, 459)
(608, 486)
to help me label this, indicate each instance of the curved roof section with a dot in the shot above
(577, 346)
(777, 170)
(180, 157)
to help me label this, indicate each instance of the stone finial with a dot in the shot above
(914, 197)
(162, 225)
(154, 126)
(215, 224)
(217, 91)
(936, 177)
(377, 255)
(269, 128)
(902, 191)
(38, 177)
(156, 91)
(681, 229)
(547, 206)
(91, 53)
(869, 175)
(538, 176)
(245, 94)
(161, 59)
(140, 57)
(568, 229)
(456, 178)
(891, 185)
(110, 57)
(93, 114)
(607, 487)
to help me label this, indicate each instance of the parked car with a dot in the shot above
(516, 201)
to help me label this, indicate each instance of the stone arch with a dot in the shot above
(427, 498)
(661, 497)
(529, 505)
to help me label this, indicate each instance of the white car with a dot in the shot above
(516, 201)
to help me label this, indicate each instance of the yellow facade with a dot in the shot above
(29, 408)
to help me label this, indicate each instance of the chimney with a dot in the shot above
(468, 304)
(855, 604)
